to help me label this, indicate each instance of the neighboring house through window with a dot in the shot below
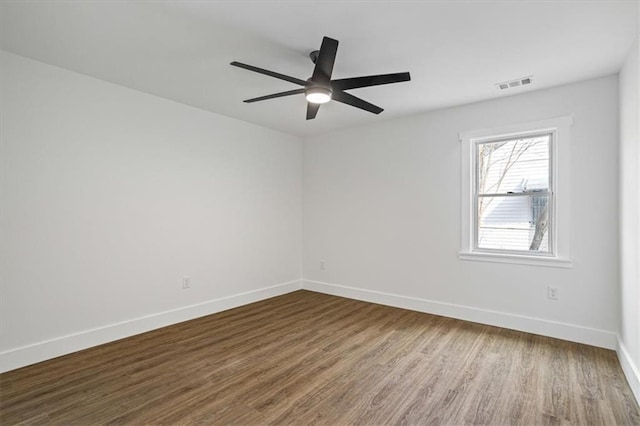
(515, 195)
(512, 194)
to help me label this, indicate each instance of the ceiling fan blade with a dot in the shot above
(349, 99)
(269, 73)
(324, 64)
(370, 80)
(312, 110)
(276, 95)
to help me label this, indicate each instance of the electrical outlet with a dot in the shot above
(552, 293)
(322, 265)
(186, 283)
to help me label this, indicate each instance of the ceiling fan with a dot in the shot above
(320, 89)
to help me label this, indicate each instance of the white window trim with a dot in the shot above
(561, 180)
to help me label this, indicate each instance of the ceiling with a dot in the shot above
(456, 51)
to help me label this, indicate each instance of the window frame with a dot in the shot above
(559, 253)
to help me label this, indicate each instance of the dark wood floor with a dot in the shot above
(308, 358)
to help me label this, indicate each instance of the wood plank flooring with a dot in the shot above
(309, 358)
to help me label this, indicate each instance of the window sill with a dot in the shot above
(517, 259)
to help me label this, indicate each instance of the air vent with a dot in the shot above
(522, 81)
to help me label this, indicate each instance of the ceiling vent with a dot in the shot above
(522, 81)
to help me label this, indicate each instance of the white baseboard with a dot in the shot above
(42, 351)
(570, 332)
(629, 368)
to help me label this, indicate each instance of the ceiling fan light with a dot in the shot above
(318, 95)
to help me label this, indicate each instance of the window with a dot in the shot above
(512, 196)
(514, 180)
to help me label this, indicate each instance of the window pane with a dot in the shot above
(516, 165)
(517, 222)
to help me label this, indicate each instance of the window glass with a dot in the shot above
(512, 194)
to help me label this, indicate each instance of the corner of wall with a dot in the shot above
(629, 369)
(628, 345)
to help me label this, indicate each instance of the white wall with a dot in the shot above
(382, 209)
(110, 196)
(629, 188)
